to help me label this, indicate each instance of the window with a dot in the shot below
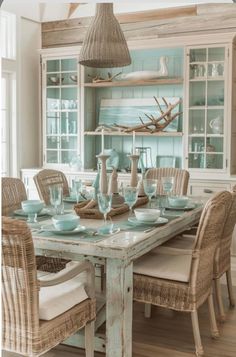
(8, 35)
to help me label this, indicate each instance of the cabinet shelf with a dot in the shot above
(119, 133)
(151, 82)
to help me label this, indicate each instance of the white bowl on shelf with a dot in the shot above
(147, 214)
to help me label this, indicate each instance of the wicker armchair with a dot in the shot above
(180, 182)
(13, 193)
(47, 177)
(24, 331)
(183, 280)
(222, 262)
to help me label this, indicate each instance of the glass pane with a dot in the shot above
(53, 99)
(69, 64)
(197, 93)
(70, 78)
(53, 66)
(69, 98)
(215, 121)
(215, 93)
(196, 144)
(52, 142)
(216, 54)
(197, 71)
(53, 123)
(214, 161)
(198, 55)
(53, 79)
(215, 70)
(52, 157)
(214, 144)
(196, 161)
(69, 123)
(66, 156)
(68, 142)
(197, 121)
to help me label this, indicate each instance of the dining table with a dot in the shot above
(117, 252)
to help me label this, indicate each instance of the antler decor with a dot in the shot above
(154, 124)
(98, 79)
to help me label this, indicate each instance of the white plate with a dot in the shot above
(50, 228)
(115, 231)
(160, 220)
(20, 212)
(187, 208)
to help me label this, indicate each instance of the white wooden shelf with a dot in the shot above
(151, 82)
(120, 133)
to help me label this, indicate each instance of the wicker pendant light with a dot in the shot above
(104, 45)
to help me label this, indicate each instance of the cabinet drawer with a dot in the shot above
(208, 189)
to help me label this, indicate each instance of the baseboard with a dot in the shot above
(233, 263)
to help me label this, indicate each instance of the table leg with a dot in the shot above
(119, 308)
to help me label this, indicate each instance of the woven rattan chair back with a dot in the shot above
(48, 177)
(19, 286)
(13, 193)
(208, 238)
(222, 261)
(180, 182)
(234, 188)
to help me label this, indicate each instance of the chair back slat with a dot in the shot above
(180, 183)
(48, 177)
(19, 287)
(13, 193)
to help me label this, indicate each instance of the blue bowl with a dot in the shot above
(66, 222)
(32, 206)
(178, 201)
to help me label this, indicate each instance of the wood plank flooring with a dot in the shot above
(169, 334)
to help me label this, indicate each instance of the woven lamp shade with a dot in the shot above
(104, 45)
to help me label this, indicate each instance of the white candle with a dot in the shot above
(134, 149)
(102, 141)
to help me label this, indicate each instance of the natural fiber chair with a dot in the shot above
(183, 281)
(39, 314)
(181, 178)
(222, 262)
(13, 193)
(47, 177)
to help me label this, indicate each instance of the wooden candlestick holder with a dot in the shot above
(134, 166)
(103, 174)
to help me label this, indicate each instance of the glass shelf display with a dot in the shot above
(61, 110)
(206, 110)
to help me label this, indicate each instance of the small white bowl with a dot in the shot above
(178, 201)
(147, 214)
(32, 206)
(66, 222)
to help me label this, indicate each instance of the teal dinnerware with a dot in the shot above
(178, 201)
(65, 222)
(32, 206)
(147, 214)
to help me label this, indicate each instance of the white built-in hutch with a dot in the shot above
(201, 71)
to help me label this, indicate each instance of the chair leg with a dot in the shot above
(147, 310)
(89, 339)
(214, 328)
(196, 334)
(219, 300)
(230, 288)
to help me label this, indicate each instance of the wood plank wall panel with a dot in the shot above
(161, 23)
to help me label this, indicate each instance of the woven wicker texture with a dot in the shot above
(234, 188)
(47, 177)
(104, 45)
(180, 182)
(189, 296)
(13, 193)
(22, 331)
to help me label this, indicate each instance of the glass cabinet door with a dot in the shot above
(61, 143)
(206, 112)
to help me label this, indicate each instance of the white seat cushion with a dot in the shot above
(164, 266)
(55, 300)
(179, 242)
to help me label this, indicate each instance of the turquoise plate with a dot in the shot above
(51, 229)
(160, 220)
(20, 212)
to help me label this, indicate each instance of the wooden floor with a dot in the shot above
(169, 334)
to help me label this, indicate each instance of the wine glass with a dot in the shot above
(77, 188)
(56, 193)
(104, 204)
(150, 188)
(130, 195)
(167, 186)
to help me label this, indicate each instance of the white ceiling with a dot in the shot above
(58, 9)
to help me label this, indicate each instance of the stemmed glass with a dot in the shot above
(130, 196)
(167, 185)
(150, 188)
(56, 193)
(104, 204)
(77, 188)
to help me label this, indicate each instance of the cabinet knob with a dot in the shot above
(207, 190)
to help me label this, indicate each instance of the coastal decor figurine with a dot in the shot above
(154, 124)
(98, 79)
(148, 75)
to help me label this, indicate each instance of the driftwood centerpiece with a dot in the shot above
(98, 79)
(154, 124)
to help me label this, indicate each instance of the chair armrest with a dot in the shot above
(85, 266)
(174, 251)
